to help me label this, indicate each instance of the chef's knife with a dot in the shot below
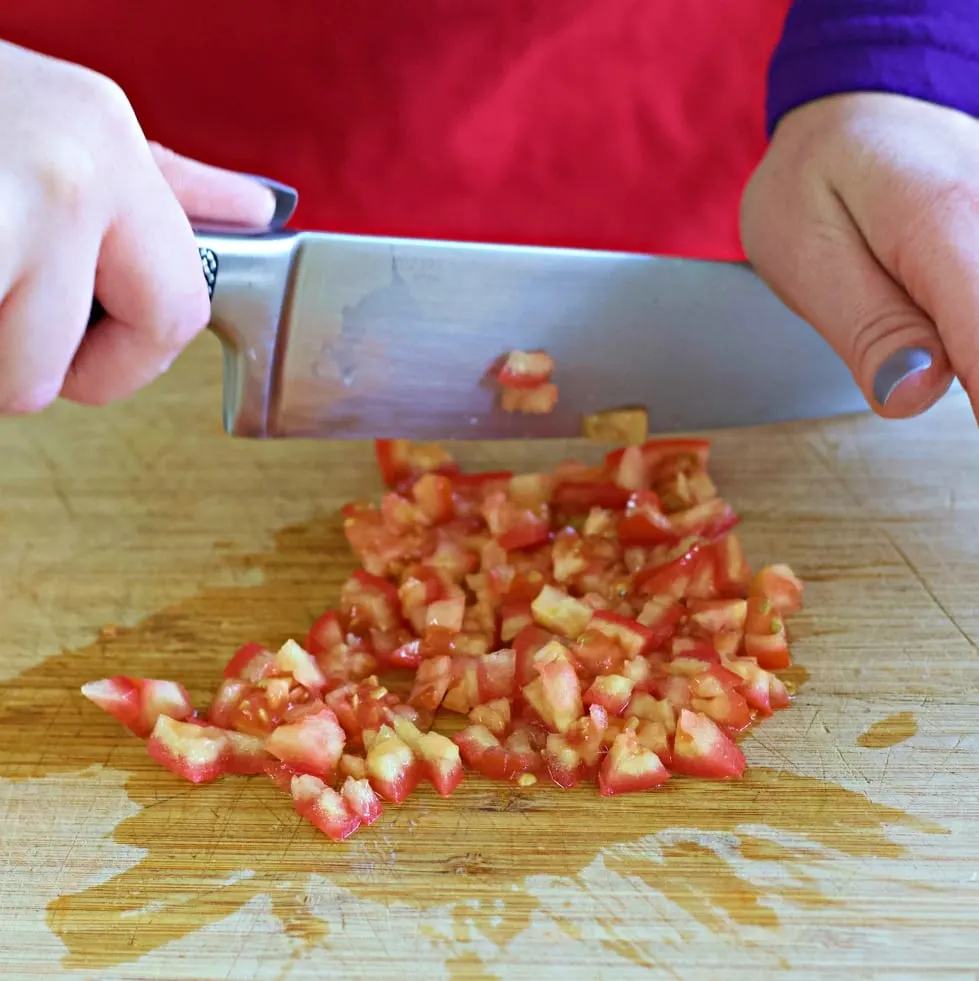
(354, 337)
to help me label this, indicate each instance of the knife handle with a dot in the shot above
(209, 264)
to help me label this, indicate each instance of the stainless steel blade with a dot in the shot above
(336, 336)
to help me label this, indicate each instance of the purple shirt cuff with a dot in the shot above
(926, 49)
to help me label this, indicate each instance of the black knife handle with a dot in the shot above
(209, 264)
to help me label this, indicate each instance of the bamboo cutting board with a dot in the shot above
(140, 539)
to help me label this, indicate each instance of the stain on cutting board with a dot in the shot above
(211, 849)
(889, 732)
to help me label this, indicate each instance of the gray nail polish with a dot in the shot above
(286, 199)
(899, 366)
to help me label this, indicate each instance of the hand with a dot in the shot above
(864, 218)
(88, 207)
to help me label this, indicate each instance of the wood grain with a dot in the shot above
(840, 851)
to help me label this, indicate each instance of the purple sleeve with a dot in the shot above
(927, 49)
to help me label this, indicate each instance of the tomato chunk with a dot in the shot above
(701, 749)
(630, 767)
(199, 754)
(138, 702)
(323, 807)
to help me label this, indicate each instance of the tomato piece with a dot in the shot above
(324, 635)
(353, 766)
(656, 736)
(361, 800)
(708, 521)
(538, 400)
(631, 635)
(556, 694)
(731, 569)
(555, 610)
(780, 586)
(496, 674)
(580, 497)
(463, 693)
(138, 702)
(765, 638)
(313, 744)
(715, 680)
(291, 659)
(401, 460)
(391, 766)
(644, 706)
(528, 646)
(251, 662)
(645, 523)
(370, 601)
(323, 807)
(596, 653)
(434, 496)
(611, 691)
(447, 613)
(718, 616)
(197, 753)
(525, 369)
(513, 618)
(673, 689)
(660, 617)
(437, 755)
(432, 681)
(495, 715)
(701, 749)
(473, 742)
(762, 690)
(671, 578)
(729, 709)
(630, 767)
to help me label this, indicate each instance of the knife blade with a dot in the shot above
(355, 337)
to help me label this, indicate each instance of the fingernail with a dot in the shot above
(897, 369)
(286, 199)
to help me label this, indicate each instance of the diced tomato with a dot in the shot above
(708, 521)
(437, 755)
(495, 715)
(674, 689)
(611, 691)
(728, 709)
(496, 674)
(645, 523)
(672, 578)
(595, 653)
(401, 460)
(731, 569)
(717, 616)
(353, 766)
(538, 400)
(701, 749)
(765, 639)
(713, 681)
(391, 766)
(780, 586)
(323, 807)
(555, 610)
(762, 690)
(293, 660)
(656, 736)
(581, 497)
(513, 618)
(463, 693)
(473, 742)
(197, 753)
(324, 635)
(630, 767)
(138, 702)
(660, 616)
(433, 495)
(525, 369)
(432, 681)
(252, 663)
(370, 601)
(642, 705)
(314, 744)
(246, 754)
(631, 635)
(531, 645)
(556, 695)
(360, 799)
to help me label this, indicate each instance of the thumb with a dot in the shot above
(815, 259)
(211, 194)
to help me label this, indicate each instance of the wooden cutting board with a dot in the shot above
(140, 539)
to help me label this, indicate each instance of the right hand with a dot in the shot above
(89, 207)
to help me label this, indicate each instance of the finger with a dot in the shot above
(829, 276)
(42, 321)
(937, 260)
(150, 283)
(210, 194)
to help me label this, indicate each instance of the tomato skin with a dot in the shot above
(361, 800)
(701, 749)
(391, 766)
(780, 586)
(138, 702)
(252, 662)
(525, 369)
(580, 498)
(199, 754)
(324, 635)
(323, 807)
(630, 767)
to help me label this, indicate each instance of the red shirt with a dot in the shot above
(619, 124)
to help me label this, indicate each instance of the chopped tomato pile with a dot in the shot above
(525, 383)
(591, 624)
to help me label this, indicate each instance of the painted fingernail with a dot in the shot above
(286, 199)
(897, 369)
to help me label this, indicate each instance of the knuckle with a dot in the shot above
(183, 321)
(66, 174)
